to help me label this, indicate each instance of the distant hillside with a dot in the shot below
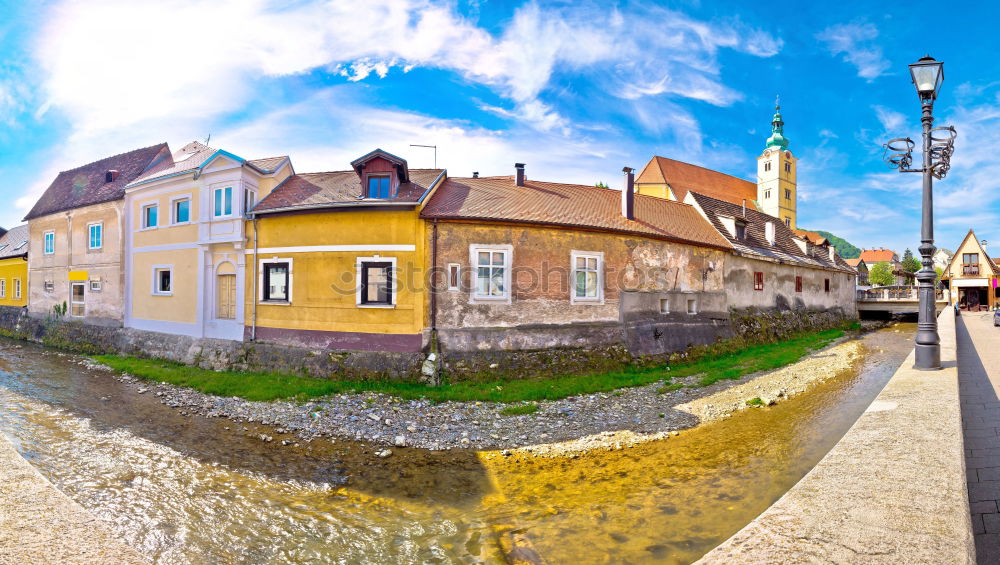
(843, 247)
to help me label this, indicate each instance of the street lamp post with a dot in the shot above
(938, 146)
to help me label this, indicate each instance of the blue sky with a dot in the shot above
(576, 90)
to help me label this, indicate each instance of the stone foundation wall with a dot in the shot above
(579, 349)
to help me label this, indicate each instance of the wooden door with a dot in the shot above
(226, 287)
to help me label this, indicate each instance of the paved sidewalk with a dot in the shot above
(979, 385)
(40, 525)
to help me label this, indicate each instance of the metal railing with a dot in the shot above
(898, 292)
(970, 269)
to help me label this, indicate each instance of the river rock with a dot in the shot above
(399, 441)
(384, 453)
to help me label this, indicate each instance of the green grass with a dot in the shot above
(519, 409)
(669, 387)
(716, 362)
(755, 401)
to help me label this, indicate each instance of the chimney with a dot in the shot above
(628, 194)
(475, 174)
(111, 175)
(744, 207)
(769, 232)
(520, 173)
(833, 254)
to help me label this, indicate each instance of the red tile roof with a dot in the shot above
(684, 177)
(310, 190)
(854, 262)
(86, 185)
(812, 236)
(872, 256)
(499, 199)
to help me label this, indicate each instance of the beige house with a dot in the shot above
(972, 276)
(75, 234)
(185, 241)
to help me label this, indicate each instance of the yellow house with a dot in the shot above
(14, 267)
(973, 277)
(75, 236)
(185, 241)
(340, 258)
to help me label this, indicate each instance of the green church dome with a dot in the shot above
(777, 138)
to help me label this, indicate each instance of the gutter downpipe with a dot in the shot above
(253, 319)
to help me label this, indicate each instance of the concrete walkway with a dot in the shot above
(890, 492)
(979, 383)
(40, 525)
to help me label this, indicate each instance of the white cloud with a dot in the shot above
(891, 120)
(201, 58)
(856, 42)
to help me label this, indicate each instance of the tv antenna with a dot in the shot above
(434, 147)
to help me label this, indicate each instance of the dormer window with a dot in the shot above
(378, 186)
(741, 230)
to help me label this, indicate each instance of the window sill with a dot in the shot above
(162, 294)
(382, 306)
(149, 228)
(187, 223)
(587, 301)
(274, 302)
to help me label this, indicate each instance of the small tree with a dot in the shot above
(881, 274)
(601, 184)
(910, 263)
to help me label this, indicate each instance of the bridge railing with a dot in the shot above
(897, 292)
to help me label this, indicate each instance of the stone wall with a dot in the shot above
(757, 325)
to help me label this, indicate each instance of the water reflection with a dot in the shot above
(188, 490)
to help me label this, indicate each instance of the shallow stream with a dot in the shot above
(186, 489)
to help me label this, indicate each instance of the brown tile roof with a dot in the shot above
(872, 256)
(14, 242)
(812, 236)
(854, 262)
(499, 199)
(85, 186)
(755, 244)
(339, 187)
(685, 177)
(268, 164)
(187, 158)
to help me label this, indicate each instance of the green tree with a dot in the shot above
(844, 248)
(910, 266)
(881, 274)
(937, 279)
(601, 184)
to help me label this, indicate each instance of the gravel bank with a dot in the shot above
(596, 421)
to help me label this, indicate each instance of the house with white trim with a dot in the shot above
(185, 240)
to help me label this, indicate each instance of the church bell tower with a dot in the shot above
(776, 174)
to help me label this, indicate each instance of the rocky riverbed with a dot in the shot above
(611, 420)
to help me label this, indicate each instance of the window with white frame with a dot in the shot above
(223, 200)
(3, 288)
(249, 199)
(492, 264)
(95, 235)
(276, 276)
(150, 213)
(95, 285)
(454, 276)
(181, 210)
(49, 286)
(163, 280)
(17, 288)
(376, 285)
(587, 276)
(49, 242)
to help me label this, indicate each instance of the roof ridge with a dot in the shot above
(702, 168)
(164, 143)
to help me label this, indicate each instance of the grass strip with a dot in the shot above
(273, 386)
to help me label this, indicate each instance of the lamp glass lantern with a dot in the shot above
(927, 75)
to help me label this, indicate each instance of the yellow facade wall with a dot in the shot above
(12, 271)
(167, 231)
(323, 285)
(182, 304)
